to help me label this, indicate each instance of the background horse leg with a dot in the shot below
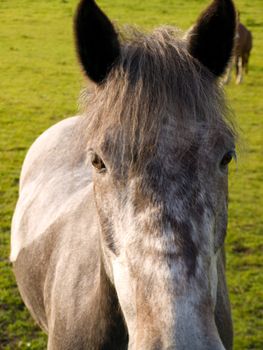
(246, 59)
(227, 77)
(239, 70)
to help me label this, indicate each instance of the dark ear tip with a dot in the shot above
(213, 36)
(96, 41)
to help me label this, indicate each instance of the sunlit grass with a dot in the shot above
(40, 82)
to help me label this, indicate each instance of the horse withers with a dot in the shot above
(118, 234)
(242, 50)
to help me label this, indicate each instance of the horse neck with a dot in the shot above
(107, 315)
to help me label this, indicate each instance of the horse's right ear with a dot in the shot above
(212, 38)
(97, 42)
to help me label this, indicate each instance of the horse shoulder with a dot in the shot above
(60, 266)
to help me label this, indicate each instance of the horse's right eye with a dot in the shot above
(227, 158)
(97, 163)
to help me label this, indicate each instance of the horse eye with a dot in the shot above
(97, 163)
(227, 158)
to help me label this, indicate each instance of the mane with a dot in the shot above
(155, 83)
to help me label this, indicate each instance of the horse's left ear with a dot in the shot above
(212, 38)
(96, 40)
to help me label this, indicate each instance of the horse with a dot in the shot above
(243, 47)
(118, 233)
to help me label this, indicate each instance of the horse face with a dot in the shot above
(160, 173)
(163, 228)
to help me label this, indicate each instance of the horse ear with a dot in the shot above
(96, 41)
(212, 38)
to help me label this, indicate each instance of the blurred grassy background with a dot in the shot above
(40, 82)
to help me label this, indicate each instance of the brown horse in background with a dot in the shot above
(243, 47)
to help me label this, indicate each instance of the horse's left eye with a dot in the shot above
(97, 163)
(227, 158)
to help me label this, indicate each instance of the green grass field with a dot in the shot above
(40, 82)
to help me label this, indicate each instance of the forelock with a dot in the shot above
(156, 84)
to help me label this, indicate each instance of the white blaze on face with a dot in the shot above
(125, 288)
